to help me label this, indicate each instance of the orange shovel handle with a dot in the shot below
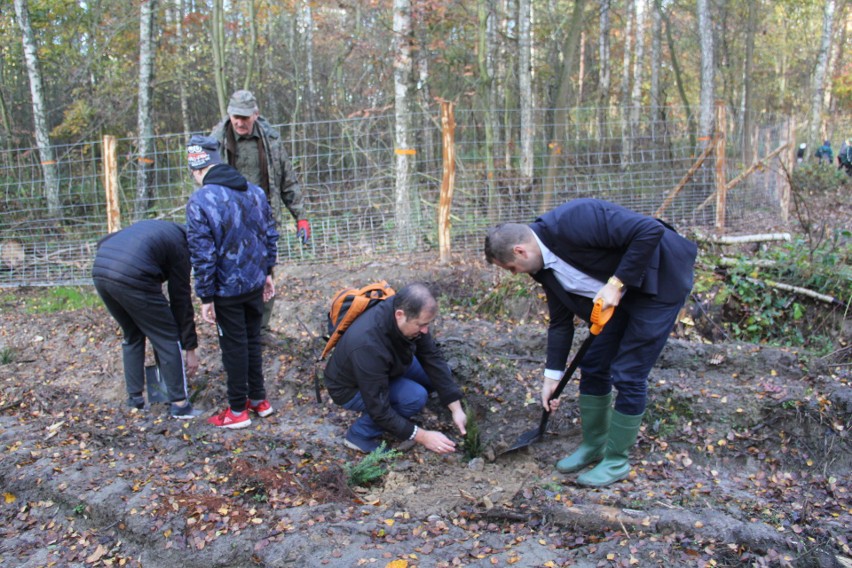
(600, 316)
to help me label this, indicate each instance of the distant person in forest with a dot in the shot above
(824, 153)
(844, 156)
(800, 153)
(129, 270)
(250, 144)
(233, 247)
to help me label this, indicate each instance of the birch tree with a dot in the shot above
(819, 80)
(306, 29)
(626, 140)
(48, 162)
(144, 121)
(525, 91)
(402, 77)
(707, 103)
(605, 67)
(638, 69)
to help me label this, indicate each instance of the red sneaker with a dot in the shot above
(262, 409)
(227, 419)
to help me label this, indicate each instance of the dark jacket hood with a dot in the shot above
(227, 176)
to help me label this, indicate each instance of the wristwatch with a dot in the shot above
(614, 281)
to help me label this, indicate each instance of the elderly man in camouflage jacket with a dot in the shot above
(249, 144)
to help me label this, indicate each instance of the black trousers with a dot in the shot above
(144, 315)
(238, 320)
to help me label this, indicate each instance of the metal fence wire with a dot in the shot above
(346, 169)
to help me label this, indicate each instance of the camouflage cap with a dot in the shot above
(242, 103)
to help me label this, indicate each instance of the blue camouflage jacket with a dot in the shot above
(231, 235)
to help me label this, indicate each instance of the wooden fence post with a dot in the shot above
(721, 185)
(448, 180)
(111, 184)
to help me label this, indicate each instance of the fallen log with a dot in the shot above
(760, 238)
(796, 290)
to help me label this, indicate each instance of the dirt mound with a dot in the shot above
(743, 458)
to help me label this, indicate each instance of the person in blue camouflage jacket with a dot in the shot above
(233, 248)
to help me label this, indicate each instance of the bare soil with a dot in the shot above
(744, 457)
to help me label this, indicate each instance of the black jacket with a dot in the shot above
(143, 256)
(602, 239)
(373, 352)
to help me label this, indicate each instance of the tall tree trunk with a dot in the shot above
(424, 97)
(144, 120)
(838, 60)
(525, 92)
(656, 58)
(708, 102)
(605, 67)
(638, 69)
(182, 91)
(485, 57)
(42, 136)
(748, 68)
(626, 140)
(217, 40)
(678, 74)
(306, 25)
(252, 50)
(819, 83)
(658, 115)
(405, 158)
(561, 104)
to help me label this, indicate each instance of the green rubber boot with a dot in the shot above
(615, 465)
(595, 412)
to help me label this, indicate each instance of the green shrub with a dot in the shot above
(472, 441)
(758, 311)
(371, 467)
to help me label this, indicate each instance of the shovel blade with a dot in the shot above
(157, 391)
(526, 439)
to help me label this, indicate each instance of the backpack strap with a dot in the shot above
(361, 299)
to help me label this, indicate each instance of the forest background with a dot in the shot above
(553, 100)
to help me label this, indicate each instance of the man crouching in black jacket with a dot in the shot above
(129, 270)
(384, 367)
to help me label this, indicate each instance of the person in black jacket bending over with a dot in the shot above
(581, 251)
(384, 367)
(129, 270)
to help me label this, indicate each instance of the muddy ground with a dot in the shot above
(743, 460)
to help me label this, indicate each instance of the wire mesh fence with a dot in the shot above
(347, 171)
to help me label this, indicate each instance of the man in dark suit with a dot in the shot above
(581, 251)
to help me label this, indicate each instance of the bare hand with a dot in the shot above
(547, 388)
(191, 363)
(268, 289)
(208, 313)
(435, 441)
(459, 416)
(610, 295)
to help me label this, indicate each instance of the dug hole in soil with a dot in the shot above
(743, 459)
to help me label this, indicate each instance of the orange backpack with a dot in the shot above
(350, 303)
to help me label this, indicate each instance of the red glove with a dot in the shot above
(303, 231)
